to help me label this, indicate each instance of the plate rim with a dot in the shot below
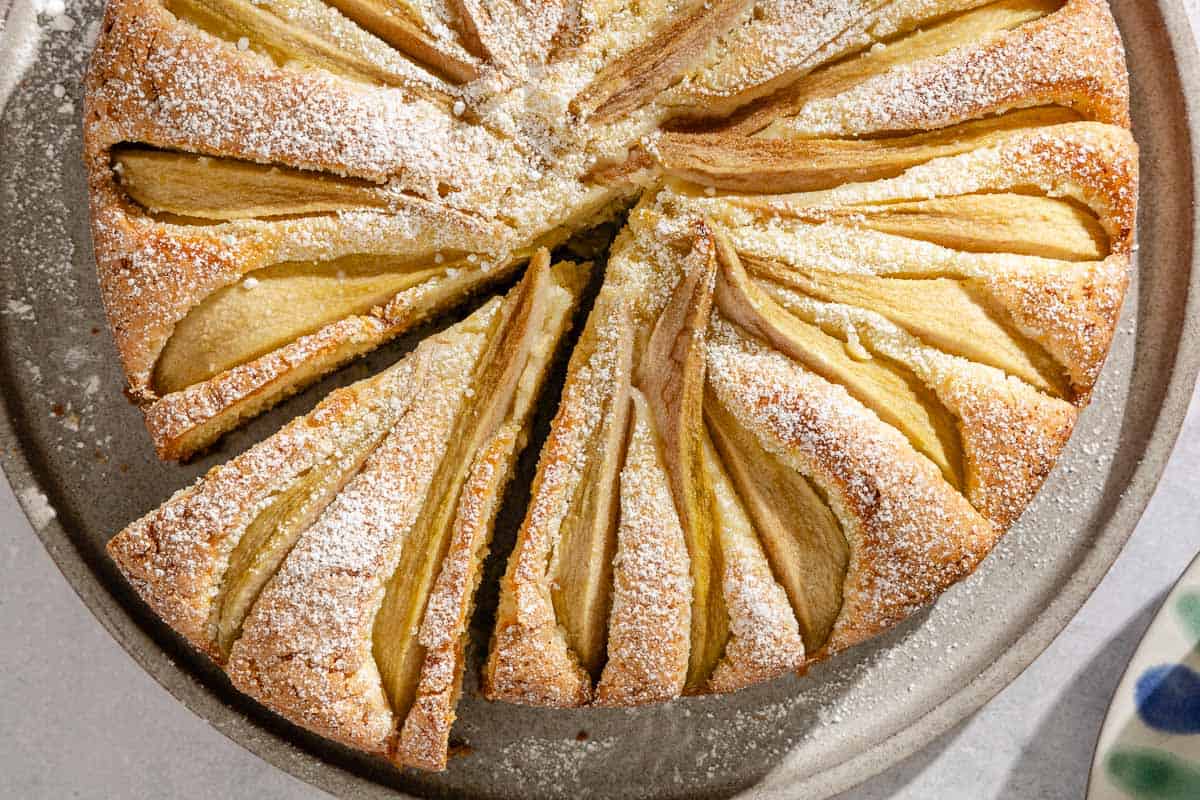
(148, 653)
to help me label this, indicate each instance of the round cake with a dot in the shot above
(868, 262)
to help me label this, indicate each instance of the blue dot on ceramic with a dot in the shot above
(1168, 698)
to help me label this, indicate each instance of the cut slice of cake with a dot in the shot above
(332, 567)
(635, 578)
(258, 221)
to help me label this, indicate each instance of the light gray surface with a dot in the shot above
(80, 719)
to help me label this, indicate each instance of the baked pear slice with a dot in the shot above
(197, 188)
(774, 165)
(671, 374)
(416, 27)
(403, 471)
(638, 76)
(312, 34)
(909, 533)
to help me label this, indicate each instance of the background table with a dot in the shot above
(79, 719)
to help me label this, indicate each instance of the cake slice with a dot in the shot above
(331, 568)
(635, 578)
(241, 255)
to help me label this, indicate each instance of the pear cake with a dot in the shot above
(871, 258)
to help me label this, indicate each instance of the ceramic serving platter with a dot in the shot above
(1149, 747)
(81, 465)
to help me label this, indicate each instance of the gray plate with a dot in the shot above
(82, 467)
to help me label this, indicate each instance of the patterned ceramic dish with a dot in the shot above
(1150, 744)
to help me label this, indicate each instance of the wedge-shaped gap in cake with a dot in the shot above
(955, 315)
(187, 187)
(277, 304)
(905, 48)
(296, 32)
(501, 394)
(889, 389)
(800, 534)
(770, 165)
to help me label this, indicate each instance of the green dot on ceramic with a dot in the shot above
(1188, 608)
(1149, 774)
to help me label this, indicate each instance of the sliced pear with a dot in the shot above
(634, 79)
(211, 188)
(493, 29)
(401, 23)
(269, 538)
(581, 589)
(990, 223)
(283, 41)
(275, 305)
(520, 347)
(802, 538)
(952, 315)
(897, 396)
(958, 30)
(671, 375)
(794, 164)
